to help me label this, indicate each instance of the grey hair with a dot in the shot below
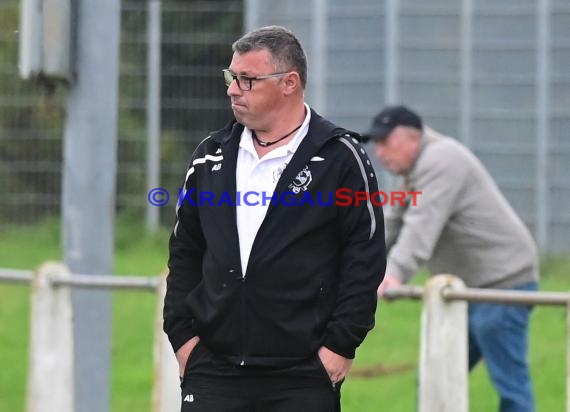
(284, 47)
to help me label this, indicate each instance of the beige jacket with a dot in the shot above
(462, 224)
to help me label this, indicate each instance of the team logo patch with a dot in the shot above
(301, 181)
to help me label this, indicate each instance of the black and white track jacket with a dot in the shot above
(313, 270)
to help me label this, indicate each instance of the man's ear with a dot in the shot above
(292, 83)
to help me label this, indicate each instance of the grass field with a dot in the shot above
(393, 343)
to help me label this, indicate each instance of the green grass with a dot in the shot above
(393, 343)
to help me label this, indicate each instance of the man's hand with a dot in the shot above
(389, 282)
(336, 366)
(183, 354)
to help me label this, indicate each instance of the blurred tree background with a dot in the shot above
(196, 45)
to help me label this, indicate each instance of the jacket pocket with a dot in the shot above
(324, 372)
(190, 360)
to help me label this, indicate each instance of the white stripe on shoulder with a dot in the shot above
(316, 159)
(202, 160)
(188, 174)
(348, 144)
(198, 161)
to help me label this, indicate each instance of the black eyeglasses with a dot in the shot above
(245, 82)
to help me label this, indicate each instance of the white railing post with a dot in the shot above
(443, 349)
(166, 390)
(50, 369)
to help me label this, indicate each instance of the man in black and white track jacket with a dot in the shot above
(272, 282)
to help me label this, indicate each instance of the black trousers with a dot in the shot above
(212, 385)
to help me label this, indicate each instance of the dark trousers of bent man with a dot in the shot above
(212, 385)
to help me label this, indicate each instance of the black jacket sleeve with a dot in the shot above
(186, 248)
(363, 258)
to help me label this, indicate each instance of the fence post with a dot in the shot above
(50, 370)
(443, 349)
(166, 390)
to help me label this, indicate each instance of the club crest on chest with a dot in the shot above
(301, 181)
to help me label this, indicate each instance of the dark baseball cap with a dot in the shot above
(390, 118)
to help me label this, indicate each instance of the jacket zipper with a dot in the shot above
(244, 324)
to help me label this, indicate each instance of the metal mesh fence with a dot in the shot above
(30, 134)
(196, 45)
(495, 75)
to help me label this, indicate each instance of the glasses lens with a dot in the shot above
(228, 77)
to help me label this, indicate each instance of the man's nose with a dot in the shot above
(233, 89)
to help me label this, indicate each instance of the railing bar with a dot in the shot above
(103, 285)
(108, 282)
(16, 275)
(508, 296)
(485, 295)
(405, 292)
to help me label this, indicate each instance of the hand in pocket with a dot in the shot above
(184, 353)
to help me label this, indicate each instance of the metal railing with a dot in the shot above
(443, 369)
(16, 275)
(485, 295)
(145, 283)
(51, 335)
